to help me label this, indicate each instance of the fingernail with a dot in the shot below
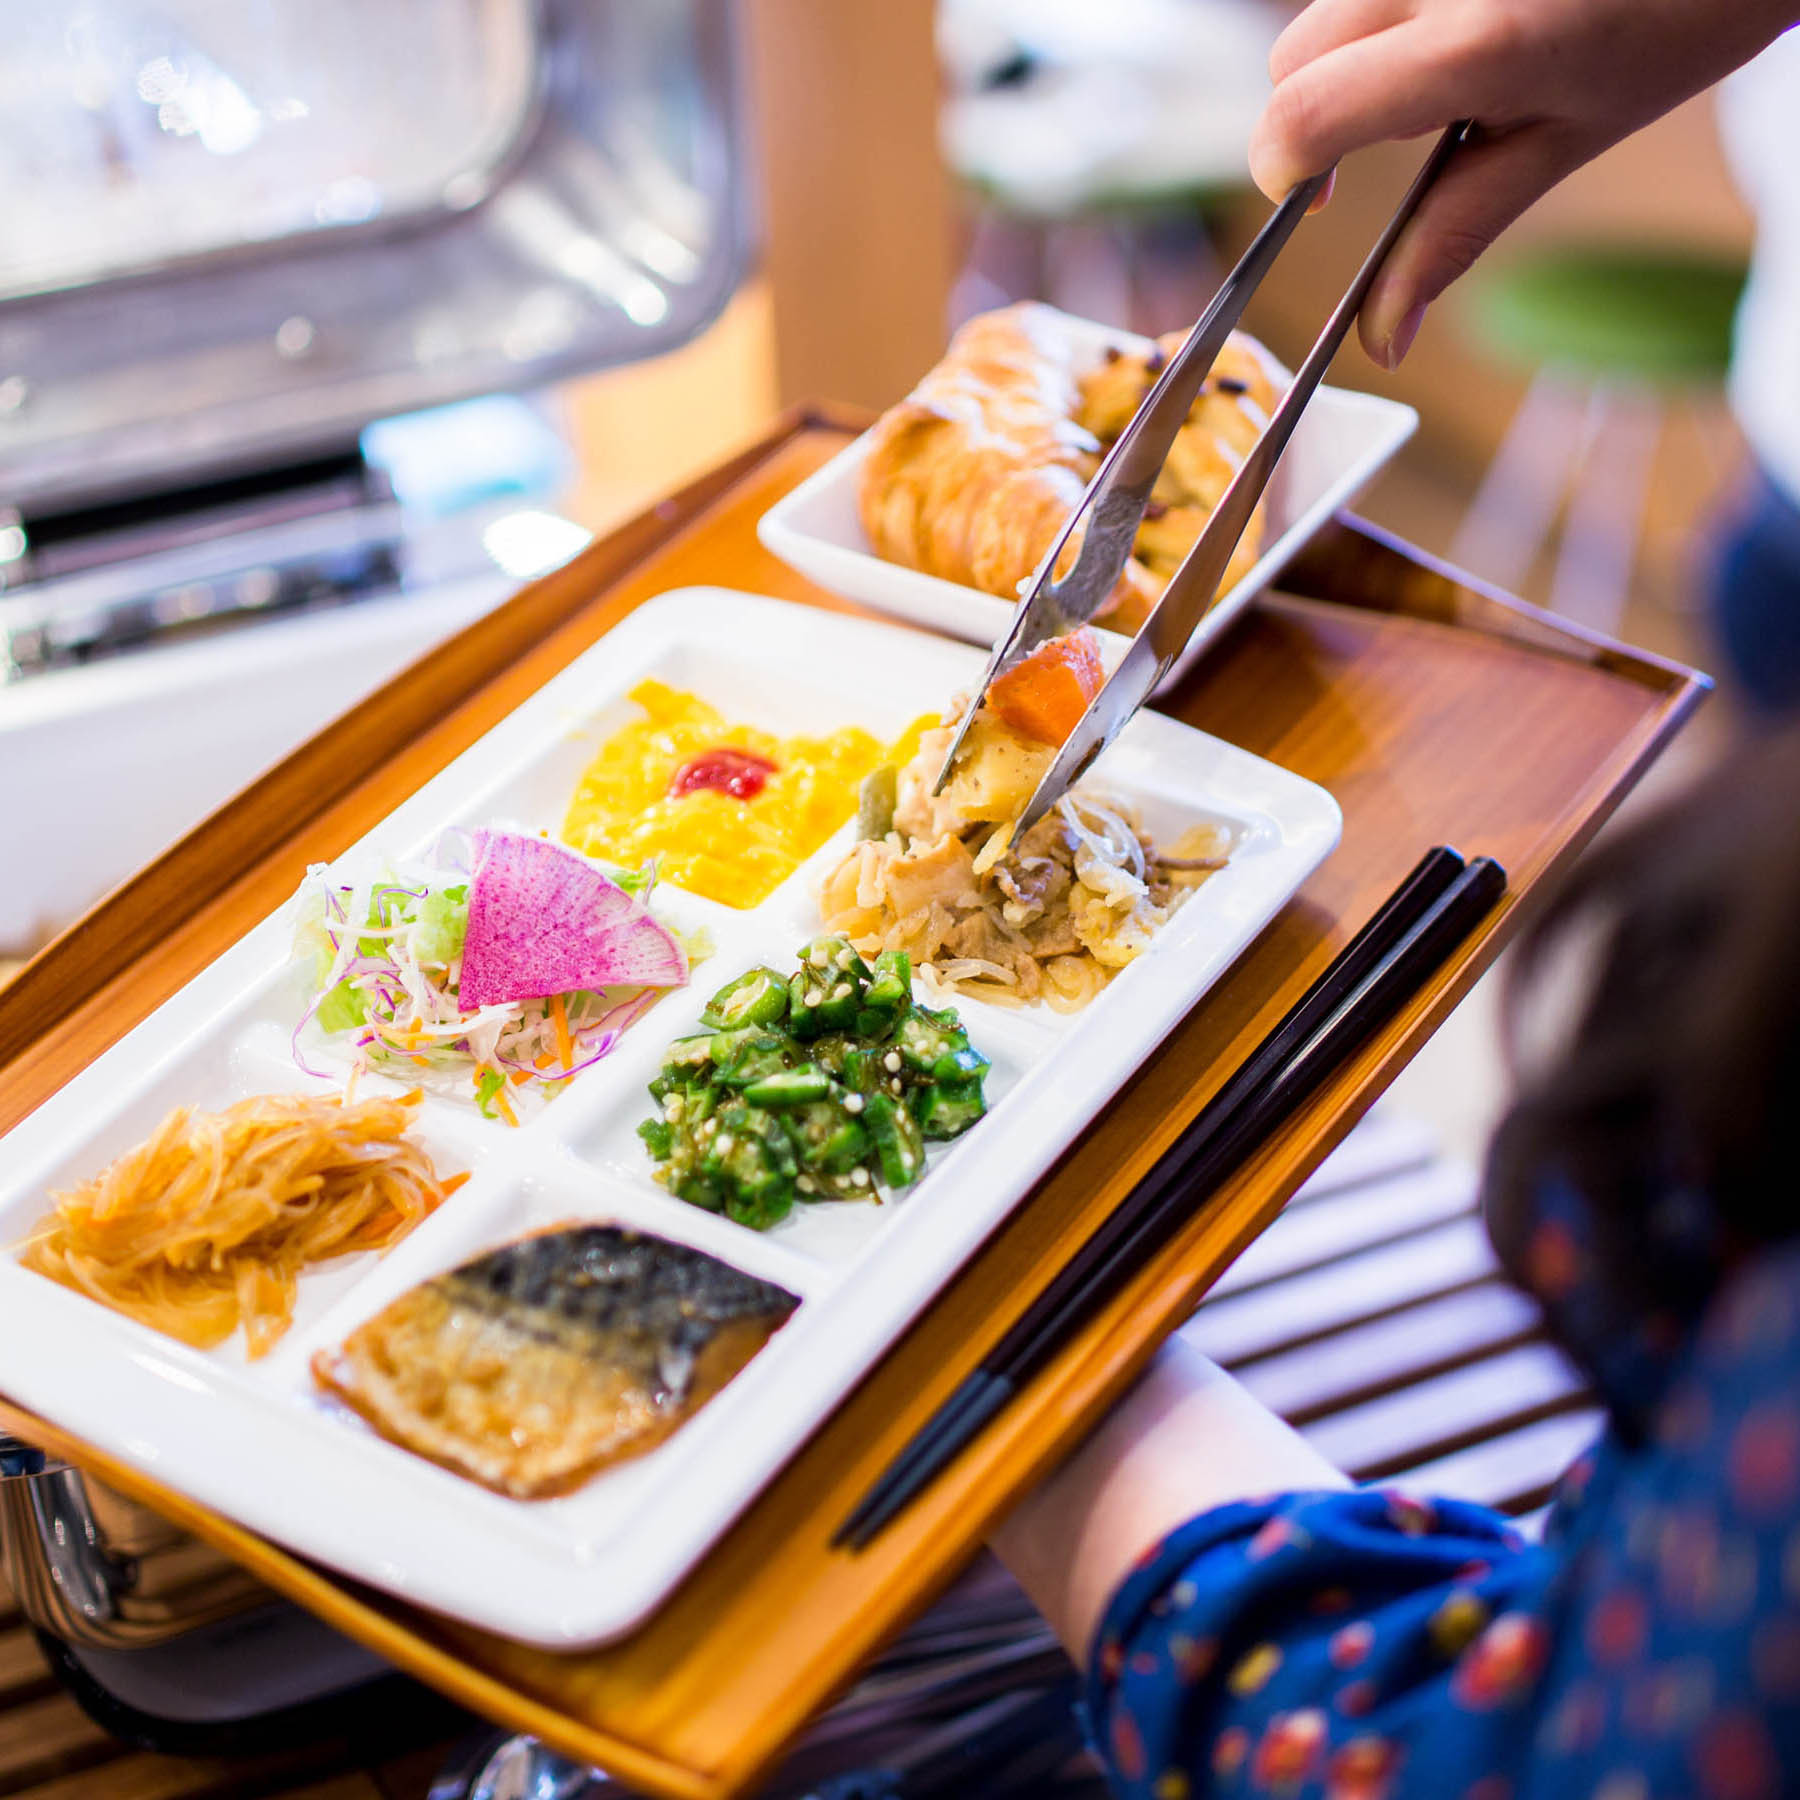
(1403, 334)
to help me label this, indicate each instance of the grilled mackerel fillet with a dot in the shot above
(540, 1363)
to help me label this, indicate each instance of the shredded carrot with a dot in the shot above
(208, 1225)
(451, 1183)
(545, 1059)
(505, 1106)
(373, 1233)
(559, 1017)
(519, 1077)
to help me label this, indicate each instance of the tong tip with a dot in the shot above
(949, 763)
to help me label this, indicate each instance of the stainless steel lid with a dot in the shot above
(237, 231)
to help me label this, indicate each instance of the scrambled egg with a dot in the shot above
(708, 842)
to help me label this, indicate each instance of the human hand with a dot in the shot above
(1551, 83)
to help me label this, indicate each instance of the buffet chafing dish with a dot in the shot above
(99, 1571)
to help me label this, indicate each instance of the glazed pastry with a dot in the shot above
(973, 474)
(1222, 425)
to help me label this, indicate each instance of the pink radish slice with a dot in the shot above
(543, 920)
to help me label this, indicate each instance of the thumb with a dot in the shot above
(1484, 188)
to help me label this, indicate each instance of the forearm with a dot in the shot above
(1185, 1439)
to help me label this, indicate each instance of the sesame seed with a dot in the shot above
(807, 1185)
(853, 1103)
(860, 1177)
(812, 999)
(726, 1145)
(895, 1084)
(891, 1062)
(841, 991)
(819, 958)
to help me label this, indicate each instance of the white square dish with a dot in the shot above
(1342, 441)
(261, 1443)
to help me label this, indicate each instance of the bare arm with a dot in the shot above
(1552, 83)
(1186, 1438)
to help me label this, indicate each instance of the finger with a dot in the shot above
(1391, 85)
(1328, 25)
(1483, 190)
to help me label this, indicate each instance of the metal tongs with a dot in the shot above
(1113, 505)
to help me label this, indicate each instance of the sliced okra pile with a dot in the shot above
(820, 1085)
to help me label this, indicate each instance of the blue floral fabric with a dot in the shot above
(1377, 1646)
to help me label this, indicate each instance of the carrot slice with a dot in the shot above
(1044, 696)
(559, 1017)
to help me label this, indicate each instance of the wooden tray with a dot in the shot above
(1433, 710)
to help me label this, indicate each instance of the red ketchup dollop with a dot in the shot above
(741, 773)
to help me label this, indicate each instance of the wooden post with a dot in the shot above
(857, 204)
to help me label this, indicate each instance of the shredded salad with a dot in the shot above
(390, 963)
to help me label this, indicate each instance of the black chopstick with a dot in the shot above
(1365, 986)
(985, 1390)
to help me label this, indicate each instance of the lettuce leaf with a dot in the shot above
(344, 1008)
(440, 924)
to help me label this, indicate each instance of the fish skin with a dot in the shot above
(540, 1363)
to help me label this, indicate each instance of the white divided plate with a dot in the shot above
(258, 1442)
(1341, 442)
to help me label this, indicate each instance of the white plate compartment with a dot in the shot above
(258, 1442)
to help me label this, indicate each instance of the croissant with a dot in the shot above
(973, 474)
